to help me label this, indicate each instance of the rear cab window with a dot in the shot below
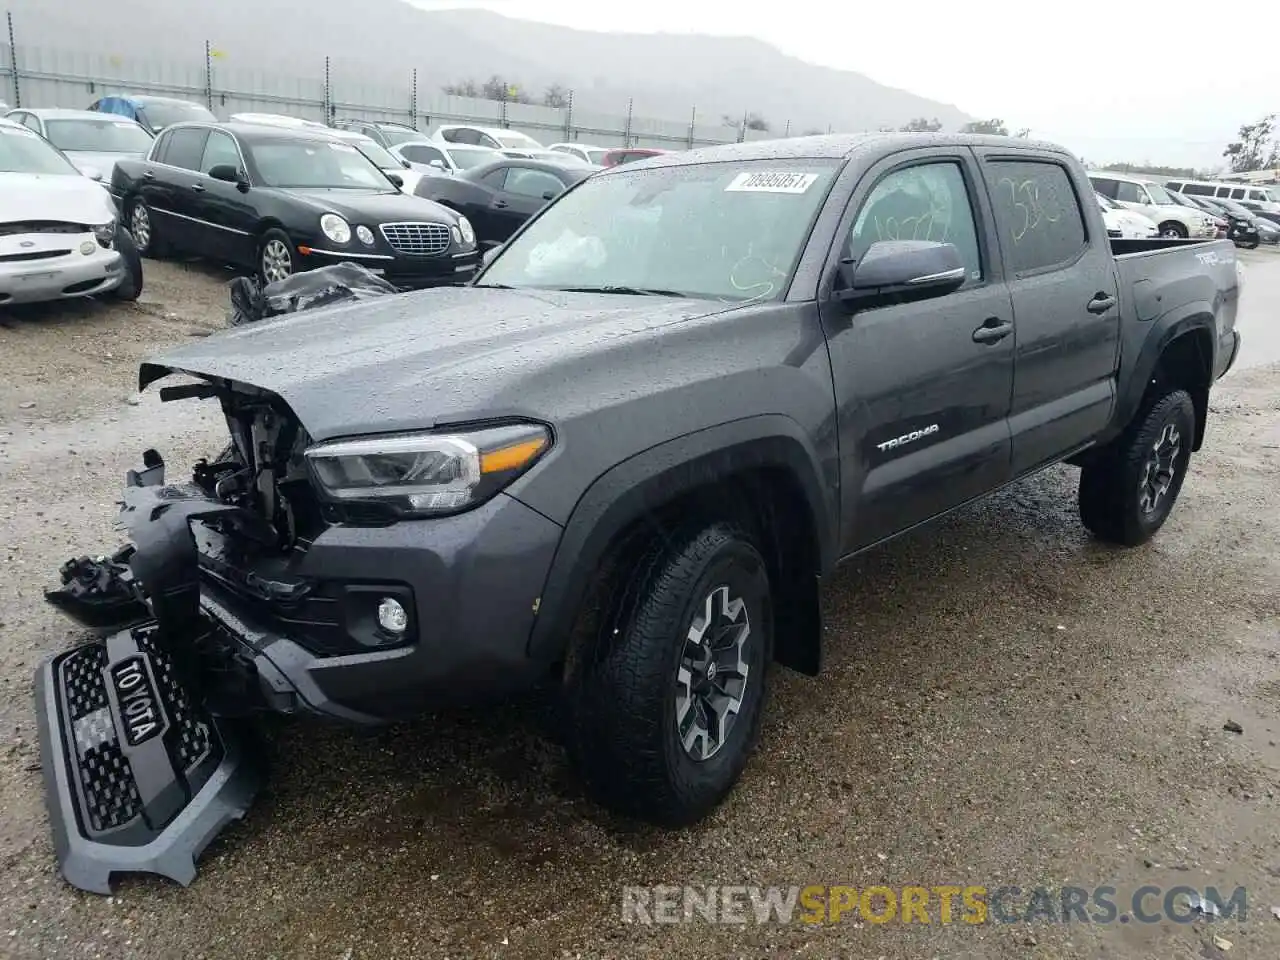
(1038, 214)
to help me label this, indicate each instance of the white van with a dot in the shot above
(1266, 197)
(1146, 196)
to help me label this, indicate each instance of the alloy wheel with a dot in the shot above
(711, 679)
(140, 227)
(276, 261)
(1159, 469)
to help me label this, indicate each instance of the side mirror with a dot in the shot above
(901, 270)
(438, 164)
(93, 173)
(550, 194)
(405, 163)
(227, 173)
(489, 254)
(396, 179)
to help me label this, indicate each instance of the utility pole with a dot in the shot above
(13, 64)
(208, 75)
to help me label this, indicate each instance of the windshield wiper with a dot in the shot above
(633, 291)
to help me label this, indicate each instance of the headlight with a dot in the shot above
(365, 235)
(106, 233)
(421, 474)
(335, 228)
(468, 234)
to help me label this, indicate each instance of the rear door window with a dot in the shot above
(1198, 190)
(1127, 192)
(1038, 215)
(1237, 193)
(533, 183)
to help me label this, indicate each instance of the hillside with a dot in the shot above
(666, 74)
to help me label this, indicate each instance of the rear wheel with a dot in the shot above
(1128, 493)
(142, 226)
(276, 257)
(130, 287)
(1173, 230)
(667, 700)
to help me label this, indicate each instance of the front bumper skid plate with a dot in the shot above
(139, 775)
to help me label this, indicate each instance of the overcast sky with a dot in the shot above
(1112, 81)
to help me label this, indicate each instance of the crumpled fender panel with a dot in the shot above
(139, 776)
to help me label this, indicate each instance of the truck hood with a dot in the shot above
(417, 360)
(65, 197)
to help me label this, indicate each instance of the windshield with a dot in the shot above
(1159, 195)
(314, 164)
(22, 151)
(394, 135)
(379, 155)
(518, 140)
(597, 156)
(727, 231)
(1106, 203)
(98, 136)
(1269, 194)
(161, 114)
(465, 159)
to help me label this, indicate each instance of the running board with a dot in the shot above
(138, 777)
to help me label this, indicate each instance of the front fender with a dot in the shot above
(644, 483)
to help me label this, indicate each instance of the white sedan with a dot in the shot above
(437, 157)
(1124, 223)
(59, 232)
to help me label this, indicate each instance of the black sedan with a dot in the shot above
(280, 200)
(498, 196)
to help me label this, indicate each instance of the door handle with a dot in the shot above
(993, 330)
(499, 204)
(1101, 303)
(198, 187)
(148, 175)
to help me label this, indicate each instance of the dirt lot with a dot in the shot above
(1006, 703)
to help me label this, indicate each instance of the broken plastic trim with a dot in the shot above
(139, 776)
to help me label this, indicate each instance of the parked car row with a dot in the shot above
(1245, 214)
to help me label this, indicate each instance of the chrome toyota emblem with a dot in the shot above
(27, 243)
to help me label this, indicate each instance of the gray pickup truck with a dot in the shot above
(621, 461)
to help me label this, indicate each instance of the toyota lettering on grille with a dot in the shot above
(139, 712)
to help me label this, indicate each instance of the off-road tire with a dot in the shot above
(1111, 487)
(622, 729)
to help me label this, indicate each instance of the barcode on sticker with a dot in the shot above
(772, 181)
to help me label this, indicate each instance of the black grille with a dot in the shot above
(37, 255)
(109, 797)
(110, 794)
(41, 226)
(189, 734)
(417, 239)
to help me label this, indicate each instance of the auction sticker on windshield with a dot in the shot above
(771, 181)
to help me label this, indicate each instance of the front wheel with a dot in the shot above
(1173, 231)
(146, 235)
(1248, 244)
(276, 257)
(1128, 493)
(665, 708)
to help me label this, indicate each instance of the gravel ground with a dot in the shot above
(1006, 702)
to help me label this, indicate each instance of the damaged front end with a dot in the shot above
(142, 757)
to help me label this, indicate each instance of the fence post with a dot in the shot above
(693, 122)
(328, 95)
(413, 101)
(13, 64)
(742, 131)
(626, 137)
(504, 104)
(568, 119)
(787, 132)
(208, 75)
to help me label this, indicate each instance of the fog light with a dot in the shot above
(392, 616)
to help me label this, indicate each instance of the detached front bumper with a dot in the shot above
(138, 776)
